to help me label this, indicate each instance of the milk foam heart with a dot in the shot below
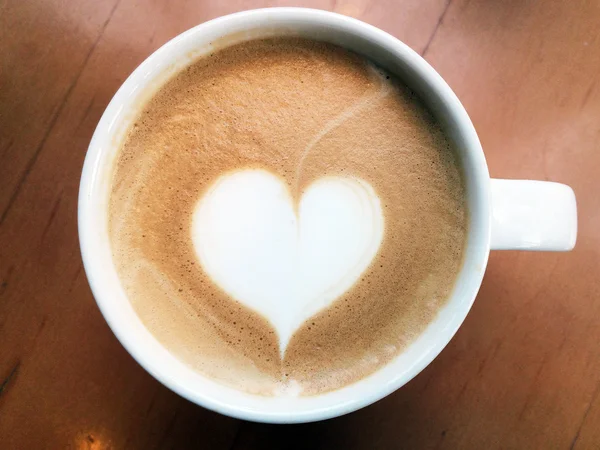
(286, 262)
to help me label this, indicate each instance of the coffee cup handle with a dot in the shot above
(533, 215)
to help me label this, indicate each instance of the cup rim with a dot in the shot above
(90, 227)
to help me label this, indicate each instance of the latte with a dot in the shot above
(285, 217)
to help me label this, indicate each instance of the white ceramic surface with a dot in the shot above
(503, 214)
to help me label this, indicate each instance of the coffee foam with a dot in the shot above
(283, 260)
(302, 112)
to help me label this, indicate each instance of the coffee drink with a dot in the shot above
(286, 217)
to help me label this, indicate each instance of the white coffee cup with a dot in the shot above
(504, 214)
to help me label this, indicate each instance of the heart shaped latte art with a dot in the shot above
(284, 261)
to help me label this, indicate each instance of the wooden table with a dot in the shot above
(522, 372)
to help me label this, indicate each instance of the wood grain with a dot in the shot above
(522, 372)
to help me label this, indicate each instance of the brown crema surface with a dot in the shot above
(300, 109)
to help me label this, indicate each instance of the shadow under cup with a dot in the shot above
(376, 45)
